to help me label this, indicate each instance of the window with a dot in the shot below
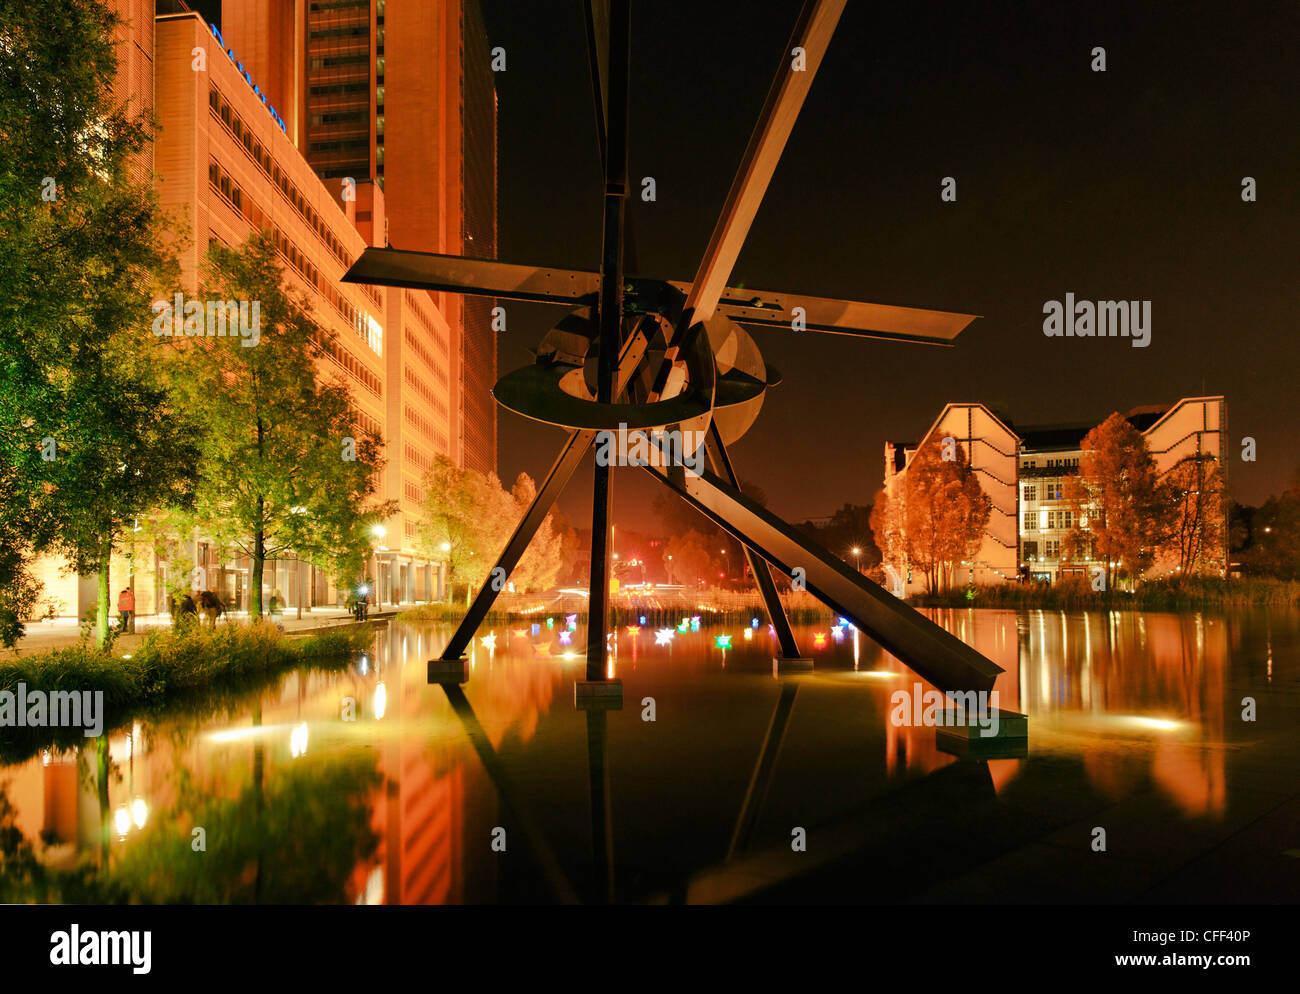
(1030, 521)
(1031, 491)
(1029, 551)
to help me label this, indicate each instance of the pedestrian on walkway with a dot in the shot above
(126, 608)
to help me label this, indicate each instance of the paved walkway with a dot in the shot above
(45, 635)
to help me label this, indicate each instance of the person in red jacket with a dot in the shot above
(126, 607)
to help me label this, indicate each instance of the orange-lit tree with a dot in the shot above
(936, 517)
(1116, 496)
(1193, 495)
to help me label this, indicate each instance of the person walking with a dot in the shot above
(126, 608)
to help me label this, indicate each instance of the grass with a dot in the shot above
(167, 669)
(1179, 594)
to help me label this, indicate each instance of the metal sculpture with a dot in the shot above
(659, 358)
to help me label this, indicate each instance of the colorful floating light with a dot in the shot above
(573, 622)
(819, 640)
(664, 636)
(722, 641)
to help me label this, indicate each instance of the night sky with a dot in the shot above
(1117, 185)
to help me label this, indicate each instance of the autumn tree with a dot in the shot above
(936, 515)
(887, 527)
(1117, 501)
(1193, 497)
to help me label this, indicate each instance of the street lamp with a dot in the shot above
(857, 552)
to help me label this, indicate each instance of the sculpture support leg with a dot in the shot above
(610, 315)
(761, 779)
(930, 651)
(758, 566)
(561, 472)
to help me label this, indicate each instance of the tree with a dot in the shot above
(1117, 501)
(540, 565)
(83, 255)
(1193, 497)
(689, 558)
(469, 518)
(285, 463)
(887, 527)
(936, 514)
(1274, 545)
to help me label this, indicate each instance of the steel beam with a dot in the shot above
(475, 277)
(931, 652)
(812, 33)
(757, 565)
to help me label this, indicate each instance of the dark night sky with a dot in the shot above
(1117, 185)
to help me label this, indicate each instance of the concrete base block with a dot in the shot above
(598, 695)
(449, 670)
(1010, 725)
(783, 665)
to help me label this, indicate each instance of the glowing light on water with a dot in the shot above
(122, 821)
(749, 634)
(695, 623)
(566, 638)
(684, 627)
(298, 740)
(381, 701)
(643, 619)
(139, 812)
(664, 636)
(536, 629)
(819, 640)
(837, 632)
(572, 621)
(550, 624)
(489, 642)
(722, 641)
(753, 622)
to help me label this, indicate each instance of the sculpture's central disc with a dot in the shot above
(718, 375)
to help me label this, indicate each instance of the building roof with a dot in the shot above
(1063, 437)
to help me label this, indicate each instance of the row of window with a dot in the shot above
(221, 108)
(1055, 519)
(1051, 490)
(425, 391)
(417, 457)
(365, 326)
(426, 427)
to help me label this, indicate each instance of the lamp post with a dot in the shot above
(857, 553)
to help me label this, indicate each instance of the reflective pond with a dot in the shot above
(719, 779)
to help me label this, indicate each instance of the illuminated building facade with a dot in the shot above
(260, 133)
(1022, 471)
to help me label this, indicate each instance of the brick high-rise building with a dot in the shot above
(400, 99)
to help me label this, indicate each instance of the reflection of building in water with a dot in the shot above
(1123, 676)
(434, 795)
(913, 749)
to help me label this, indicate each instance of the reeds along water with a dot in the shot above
(1151, 595)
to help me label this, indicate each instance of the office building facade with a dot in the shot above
(1022, 470)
